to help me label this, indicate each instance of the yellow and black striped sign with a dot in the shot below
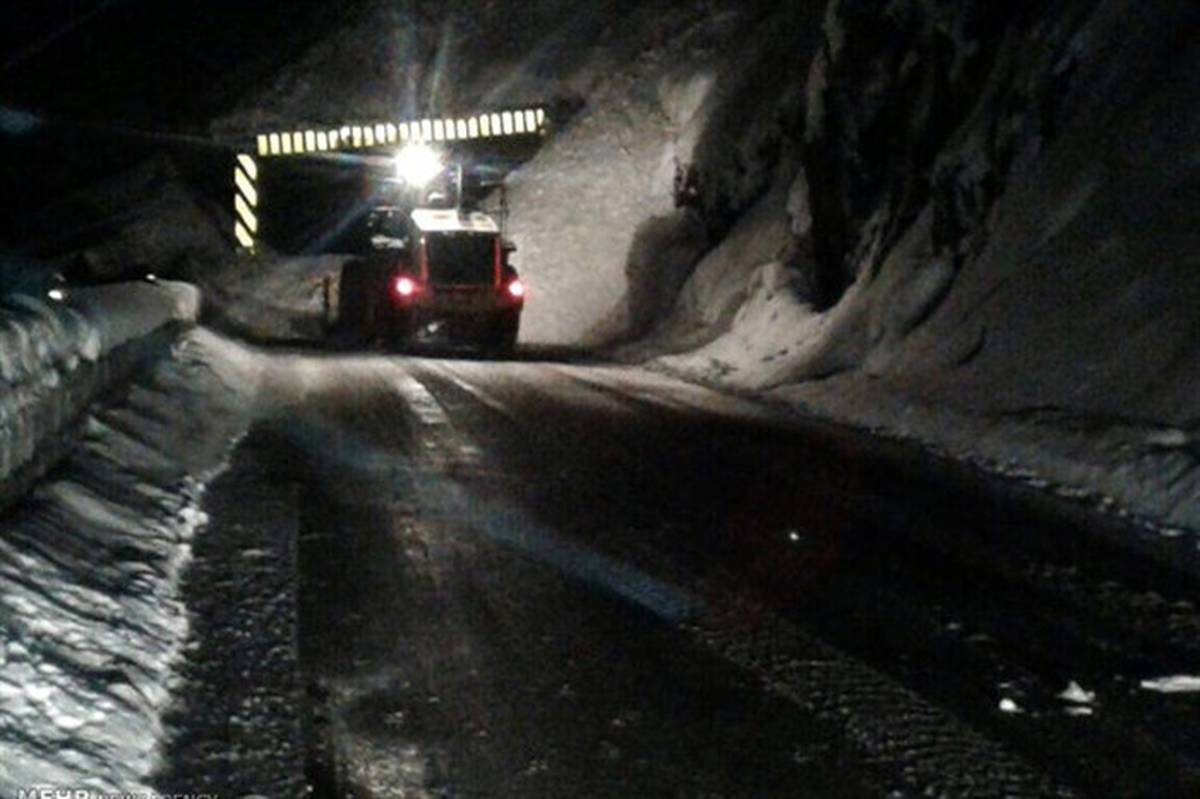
(245, 201)
(246, 198)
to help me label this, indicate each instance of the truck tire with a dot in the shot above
(504, 337)
(352, 295)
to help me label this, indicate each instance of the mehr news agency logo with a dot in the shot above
(83, 793)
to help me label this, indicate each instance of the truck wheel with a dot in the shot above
(504, 339)
(370, 323)
(356, 303)
(398, 341)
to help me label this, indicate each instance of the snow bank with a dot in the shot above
(54, 358)
(91, 618)
(274, 298)
(1143, 472)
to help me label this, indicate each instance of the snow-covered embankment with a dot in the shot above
(92, 626)
(55, 358)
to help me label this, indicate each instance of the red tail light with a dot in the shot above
(516, 289)
(404, 287)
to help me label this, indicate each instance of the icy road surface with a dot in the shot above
(541, 579)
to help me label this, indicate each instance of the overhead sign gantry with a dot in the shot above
(248, 196)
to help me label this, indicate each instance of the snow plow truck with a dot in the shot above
(433, 275)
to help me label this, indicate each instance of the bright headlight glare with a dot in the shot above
(417, 164)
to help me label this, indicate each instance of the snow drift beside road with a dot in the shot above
(49, 353)
(275, 298)
(88, 560)
(90, 569)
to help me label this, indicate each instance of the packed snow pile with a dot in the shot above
(274, 297)
(741, 287)
(52, 357)
(91, 618)
(40, 349)
(994, 246)
(122, 312)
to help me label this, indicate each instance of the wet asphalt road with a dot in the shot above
(549, 580)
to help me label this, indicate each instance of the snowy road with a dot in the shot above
(562, 579)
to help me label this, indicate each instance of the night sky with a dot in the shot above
(148, 62)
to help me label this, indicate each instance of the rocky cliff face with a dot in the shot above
(917, 104)
(993, 231)
(1008, 191)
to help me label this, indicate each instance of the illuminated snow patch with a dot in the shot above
(1176, 684)
(1077, 694)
